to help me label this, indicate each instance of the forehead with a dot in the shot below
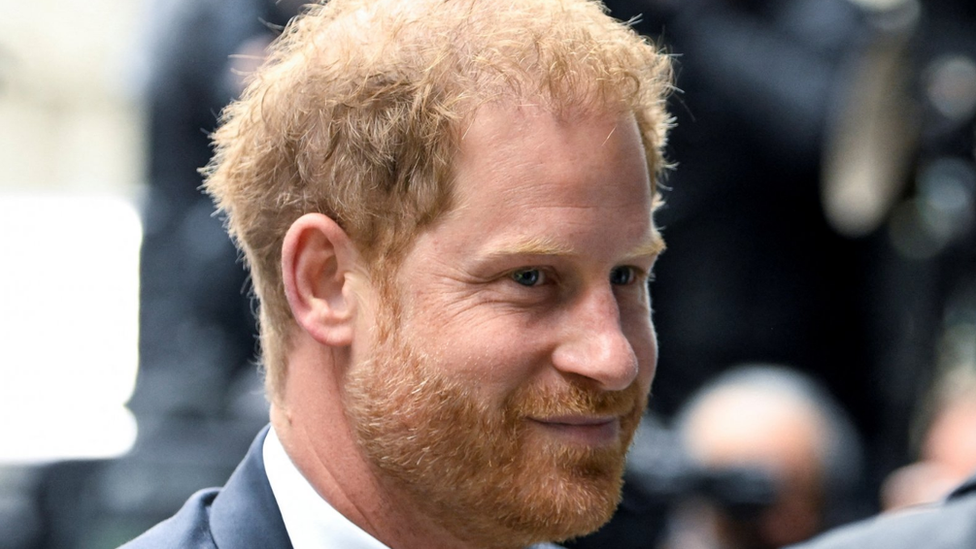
(525, 173)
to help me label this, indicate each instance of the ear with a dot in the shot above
(317, 257)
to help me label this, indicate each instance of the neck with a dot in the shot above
(312, 425)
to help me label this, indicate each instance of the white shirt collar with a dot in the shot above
(310, 521)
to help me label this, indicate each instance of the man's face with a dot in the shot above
(515, 351)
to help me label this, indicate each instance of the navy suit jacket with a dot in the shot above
(241, 515)
(951, 525)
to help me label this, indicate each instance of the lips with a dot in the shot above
(588, 430)
(577, 420)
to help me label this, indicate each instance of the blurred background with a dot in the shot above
(816, 307)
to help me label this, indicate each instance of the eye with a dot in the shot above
(623, 276)
(528, 277)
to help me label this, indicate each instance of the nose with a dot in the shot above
(594, 344)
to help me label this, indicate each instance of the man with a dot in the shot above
(446, 208)
(782, 425)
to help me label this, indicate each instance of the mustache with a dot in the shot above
(576, 399)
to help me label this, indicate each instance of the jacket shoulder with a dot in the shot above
(948, 526)
(189, 528)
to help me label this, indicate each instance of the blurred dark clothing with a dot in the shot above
(951, 525)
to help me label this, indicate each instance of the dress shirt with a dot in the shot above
(311, 522)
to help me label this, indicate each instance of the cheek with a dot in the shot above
(490, 352)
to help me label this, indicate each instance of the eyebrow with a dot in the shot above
(547, 246)
(651, 247)
(537, 245)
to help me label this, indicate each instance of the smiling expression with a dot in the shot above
(515, 349)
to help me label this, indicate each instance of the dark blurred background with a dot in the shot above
(821, 230)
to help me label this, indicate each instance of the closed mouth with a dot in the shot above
(588, 430)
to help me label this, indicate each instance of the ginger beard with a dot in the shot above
(475, 467)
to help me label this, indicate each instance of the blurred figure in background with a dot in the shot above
(948, 457)
(779, 423)
(947, 452)
(937, 500)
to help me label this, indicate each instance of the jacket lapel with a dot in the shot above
(245, 514)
